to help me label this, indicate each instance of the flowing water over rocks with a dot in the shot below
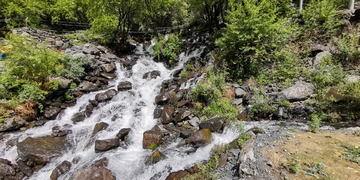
(90, 131)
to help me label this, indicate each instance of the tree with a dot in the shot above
(154, 10)
(73, 10)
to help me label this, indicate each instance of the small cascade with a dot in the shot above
(128, 109)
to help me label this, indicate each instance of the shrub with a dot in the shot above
(327, 74)
(320, 17)
(72, 85)
(255, 30)
(184, 74)
(263, 104)
(168, 47)
(73, 66)
(349, 48)
(314, 124)
(293, 163)
(188, 67)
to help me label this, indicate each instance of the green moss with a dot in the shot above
(184, 74)
(153, 147)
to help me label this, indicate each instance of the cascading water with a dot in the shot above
(128, 109)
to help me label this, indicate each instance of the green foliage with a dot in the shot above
(222, 108)
(88, 36)
(188, 67)
(321, 17)
(293, 163)
(72, 10)
(184, 74)
(314, 124)
(168, 47)
(68, 97)
(72, 85)
(73, 66)
(262, 105)
(284, 103)
(255, 30)
(351, 153)
(153, 147)
(349, 48)
(242, 139)
(327, 74)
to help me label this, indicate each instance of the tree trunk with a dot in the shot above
(351, 5)
(301, 5)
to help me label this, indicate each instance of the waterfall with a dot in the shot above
(128, 109)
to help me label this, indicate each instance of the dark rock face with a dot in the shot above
(87, 86)
(182, 115)
(78, 117)
(177, 97)
(200, 138)
(107, 144)
(57, 131)
(51, 112)
(100, 126)
(157, 113)
(88, 110)
(215, 124)
(96, 172)
(166, 115)
(108, 67)
(14, 123)
(153, 136)
(124, 86)
(129, 62)
(106, 95)
(41, 150)
(61, 169)
(24, 168)
(123, 133)
(6, 169)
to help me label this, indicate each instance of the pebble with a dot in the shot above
(285, 150)
(309, 136)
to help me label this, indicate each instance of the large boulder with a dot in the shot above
(106, 95)
(166, 115)
(43, 149)
(298, 92)
(51, 112)
(87, 86)
(239, 93)
(153, 136)
(97, 171)
(13, 123)
(100, 126)
(107, 144)
(175, 99)
(200, 138)
(78, 117)
(61, 169)
(124, 86)
(215, 124)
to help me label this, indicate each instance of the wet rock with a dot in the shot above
(108, 75)
(87, 86)
(61, 169)
(215, 124)
(88, 110)
(51, 112)
(94, 102)
(182, 115)
(100, 126)
(177, 73)
(182, 103)
(177, 175)
(157, 113)
(95, 173)
(195, 121)
(101, 162)
(162, 98)
(152, 74)
(107, 144)
(128, 61)
(12, 124)
(24, 168)
(41, 150)
(239, 93)
(153, 136)
(6, 169)
(155, 157)
(167, 113)
(200, 138)
(124, 86)
(106, 95)
(185, 133)
(108, 67)
(78, 117)
(299, 91)
(57, 131)
(174, 99)
(123, 133)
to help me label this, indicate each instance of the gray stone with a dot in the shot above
(124, 86)
(87, 86)
(50, 41)
(65, 46)
(298, 92)
(239, 92)
(284, 176)
(107, 144)
(100, 126)
(106, 95)
(78, 117)
(24, 168)
(237, 102)
(182, 115)
(352, 78)
(59, 44)
(101, 48)
(13, 123)
(320, 56)
(214, 124)
(95, 173)
(108, 67)
(195, 121)
(51, 112)
(6, 169)
(199, 138)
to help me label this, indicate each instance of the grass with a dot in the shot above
(293, 163)
(351, 153)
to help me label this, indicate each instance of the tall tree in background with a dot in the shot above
(155, 10)
(71, 10)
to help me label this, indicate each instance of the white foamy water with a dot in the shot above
(133, 109)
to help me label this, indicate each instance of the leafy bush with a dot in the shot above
(222, 108)
(293, 163)
(87, 36)
(255, 30)
(327, 74)
(320, 17)
(349, 48)
(168, 47)
(184, 74)
(188, 67)
(314, 124)
(73, 66)
(263, 104)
